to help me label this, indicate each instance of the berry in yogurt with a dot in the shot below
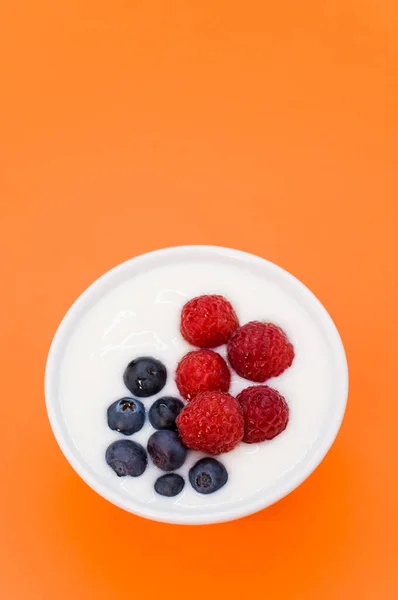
(166, 450)
(212, 423)
(202, 371)
(265, 413)
(126, 416)
(258, 351)
(145, 376)
(208, 475)
(169, 485)
(164, 411)
(126, 457)
(208, 321)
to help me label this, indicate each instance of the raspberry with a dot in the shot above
(208, 321)
(258, 351)
(211, 423)
(265, 412)
(202, 371)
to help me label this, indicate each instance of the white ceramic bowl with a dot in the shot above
(285, 484)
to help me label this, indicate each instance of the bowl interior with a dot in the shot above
(226, 258)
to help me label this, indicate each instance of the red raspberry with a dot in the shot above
(208, 321)
(211, 423)
(202, 371)
(258, 351)
(265, 412)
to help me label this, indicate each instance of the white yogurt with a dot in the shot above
(141, 317)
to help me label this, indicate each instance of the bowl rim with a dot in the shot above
(253, 504)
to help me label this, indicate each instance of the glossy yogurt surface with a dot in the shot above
(140, 316)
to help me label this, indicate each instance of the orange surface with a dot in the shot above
(266, 126)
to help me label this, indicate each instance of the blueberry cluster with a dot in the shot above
(145, 377)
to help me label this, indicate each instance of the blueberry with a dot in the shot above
(169, 485)
(166, 450)
(126, 416)
(126, 458)
(163, 412)
(208, 475)
(145, 376)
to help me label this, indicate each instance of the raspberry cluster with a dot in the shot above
(213, 421)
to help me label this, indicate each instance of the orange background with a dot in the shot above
(267, 126)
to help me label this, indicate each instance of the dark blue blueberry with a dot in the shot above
(208, 475)
(163, 412)
(166, 450)
(126, 416)
(145, 376)
(126, 458)
(169, 485)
